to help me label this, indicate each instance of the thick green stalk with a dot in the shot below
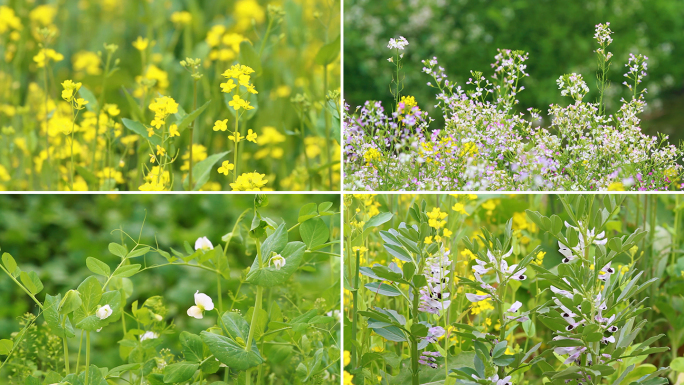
(220, 296)
(192, 133)
(235, 155)
(355, 300)
(78, 357)
(47, 136)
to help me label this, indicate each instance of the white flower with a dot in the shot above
(515, 307)
(158, 317)
(203, 243)
(149, 336)
(278, 261)
(104, 312)
(399, 43)
(476, 298)
(202, 302)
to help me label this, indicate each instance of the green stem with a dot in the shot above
(414, 341)
(235, 139)
(78, 358)
(66, 347)
(355, 300)
(220, 295)
(192, 132)
(47, 136)
(257, 302)
(327, 128)
(87, 368)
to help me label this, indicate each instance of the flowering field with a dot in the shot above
(169, 290)
(513, 289)
(169, 95)
(485, 144)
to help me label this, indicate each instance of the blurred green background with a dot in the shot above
(54, 234)
(464, 36)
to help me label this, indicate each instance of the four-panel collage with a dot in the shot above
(341, 192)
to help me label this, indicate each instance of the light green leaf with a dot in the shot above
(91, 293)
(118, 250)
(230, 353)
(93, 105)
(136, 112)
(98, 267)
(249, 57)
(31, 281)
(328, 53)
(383, 289)
(314, 232)
(6, 347)
(377, 220)
(202, 170)
(72, 301)
(179, 372)
(51, 314)
(141, 130)
(189, 118)
(307, 212)
(269, 276)
(9, 262)
(127, 271)
(274, 243)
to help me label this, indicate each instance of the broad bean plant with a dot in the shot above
(445, 307)
(298, 341)
(487, 144)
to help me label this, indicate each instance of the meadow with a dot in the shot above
(202, 289)
(169, 95)
(513, 289)
(486, 143)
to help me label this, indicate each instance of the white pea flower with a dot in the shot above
(104, 312)
(202, 302)
(149, 336)
(278, 261)
(203, 243)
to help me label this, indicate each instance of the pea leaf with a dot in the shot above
(6, 347)
(179, 372)
(98, 267)
(275, 242)
(127, 271)
(9, 262)
(314, 232)
(307, 212)
(230, 353)
(51, 314)
(269, 276)
(91, 293)
(193, 348)
(31, 281)
(118, 250)
(72, 301)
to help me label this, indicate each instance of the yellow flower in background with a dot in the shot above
(251, 136)
(4, 175)
(468, 254)
(616, 186)
(347, 378)
(226, 167)
(162, 108)
(371, 155)
(141, 44)
(251, 181)
(86, 62)
(181, 19)
(173, 131)
(459, 208)
(199, 153)
(469, 149)
(80, 103)
(111, 109)
(447, 233)
(43, 15)
(539, 258)
(45, 55)
(247, 10)
(70, 89)
(9, 20)
(347, 357)
(221, 125)
(161, 151)
(110, 173)
(269, 138)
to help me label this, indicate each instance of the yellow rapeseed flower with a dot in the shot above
(251, 136)
(251, 181)
(221, 125)
(141, 44)
(226, 167)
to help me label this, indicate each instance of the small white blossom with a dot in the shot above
(278, 261)
(202, 303)
(104, 312)
(203, 243)
(149, 336)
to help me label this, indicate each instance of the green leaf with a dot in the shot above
(230, 353)
(391, 333)
(307, 212)
(274, 243)
(98, 267)
(377, 220)
(6, 347)
(314, 232)
(141, 130)
(249, 57)
(382, 288)
(201, 171)
(136, 112)
(127, 271)
(328, 53)
(118, 250)
(193, 347)
(9, 262)
(31, 281)
(71, 302)
(269, 276)
(142, 251)
(189, 118)
(93, 322)
(52, 318)
(180, 372)
(398, 252)
(235, 325)
(91, 293)
(93, 105)
(499, 349)
(324, 207)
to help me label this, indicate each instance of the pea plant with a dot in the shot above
(272, 343)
